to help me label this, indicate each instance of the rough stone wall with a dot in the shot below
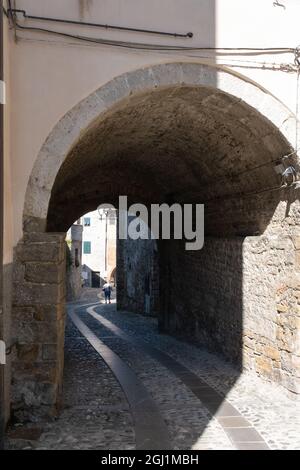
(272, 297)
(201, 294)
(238, 297)
(38, 325)
(138, 276)
(271, 290)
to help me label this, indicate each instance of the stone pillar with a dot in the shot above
(38, 325)
(74, 264)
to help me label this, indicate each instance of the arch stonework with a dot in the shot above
(70, 128)
(111, 273)
(38, 310)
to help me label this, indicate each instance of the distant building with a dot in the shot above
(98, 247)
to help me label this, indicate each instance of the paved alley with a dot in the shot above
(128, 387)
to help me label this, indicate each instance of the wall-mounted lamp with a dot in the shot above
(288, 173)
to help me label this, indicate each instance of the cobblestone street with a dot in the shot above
(126, 386)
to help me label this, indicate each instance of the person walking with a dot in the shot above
(107, 288)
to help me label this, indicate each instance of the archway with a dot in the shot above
(169, 133)
(112, 276)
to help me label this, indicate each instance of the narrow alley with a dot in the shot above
(128, 387)
(150, 227)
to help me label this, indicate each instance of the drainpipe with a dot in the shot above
(2, 423)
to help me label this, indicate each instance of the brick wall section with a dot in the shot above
(38, 319)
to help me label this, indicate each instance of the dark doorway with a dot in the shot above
(95, 279)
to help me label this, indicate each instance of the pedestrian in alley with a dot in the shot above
(107, 288)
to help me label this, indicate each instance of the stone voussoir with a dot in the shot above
(50, 273)
(40, 251)
(28, 294)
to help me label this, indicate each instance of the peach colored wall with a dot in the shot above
(49, 74)
(8, 212)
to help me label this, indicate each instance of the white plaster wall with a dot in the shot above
(49, 75)
(95, 234)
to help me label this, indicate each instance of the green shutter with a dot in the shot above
(87, 249)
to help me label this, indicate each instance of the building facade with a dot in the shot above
(92, 245)
(98, 247)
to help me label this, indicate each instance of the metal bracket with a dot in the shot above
(2, 92)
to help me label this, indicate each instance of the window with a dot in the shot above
(87, 249)
(87, 221)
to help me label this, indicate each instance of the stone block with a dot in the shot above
(290, 363)
(25, 332)
(48, 394)
(44, 237)
(297, 258)
(29, 294)
(113, 91)
(296, 241)
(50, 351)
(40, 252)
(291, 383)
(272, 352)
(38, 332)
(282, 308)
(34, 224)
(263, 365)
(49, 313)
(49, 273)
(139, 81)
(23, 314)
(47, 332)
(40, 372)
(18, 272)
(28, 352)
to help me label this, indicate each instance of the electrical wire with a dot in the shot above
(144, 46)
(236, 176)
(233, 63)
(251, 193)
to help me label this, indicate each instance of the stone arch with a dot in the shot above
(111, 276)
(69, 129)
(38, 305)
